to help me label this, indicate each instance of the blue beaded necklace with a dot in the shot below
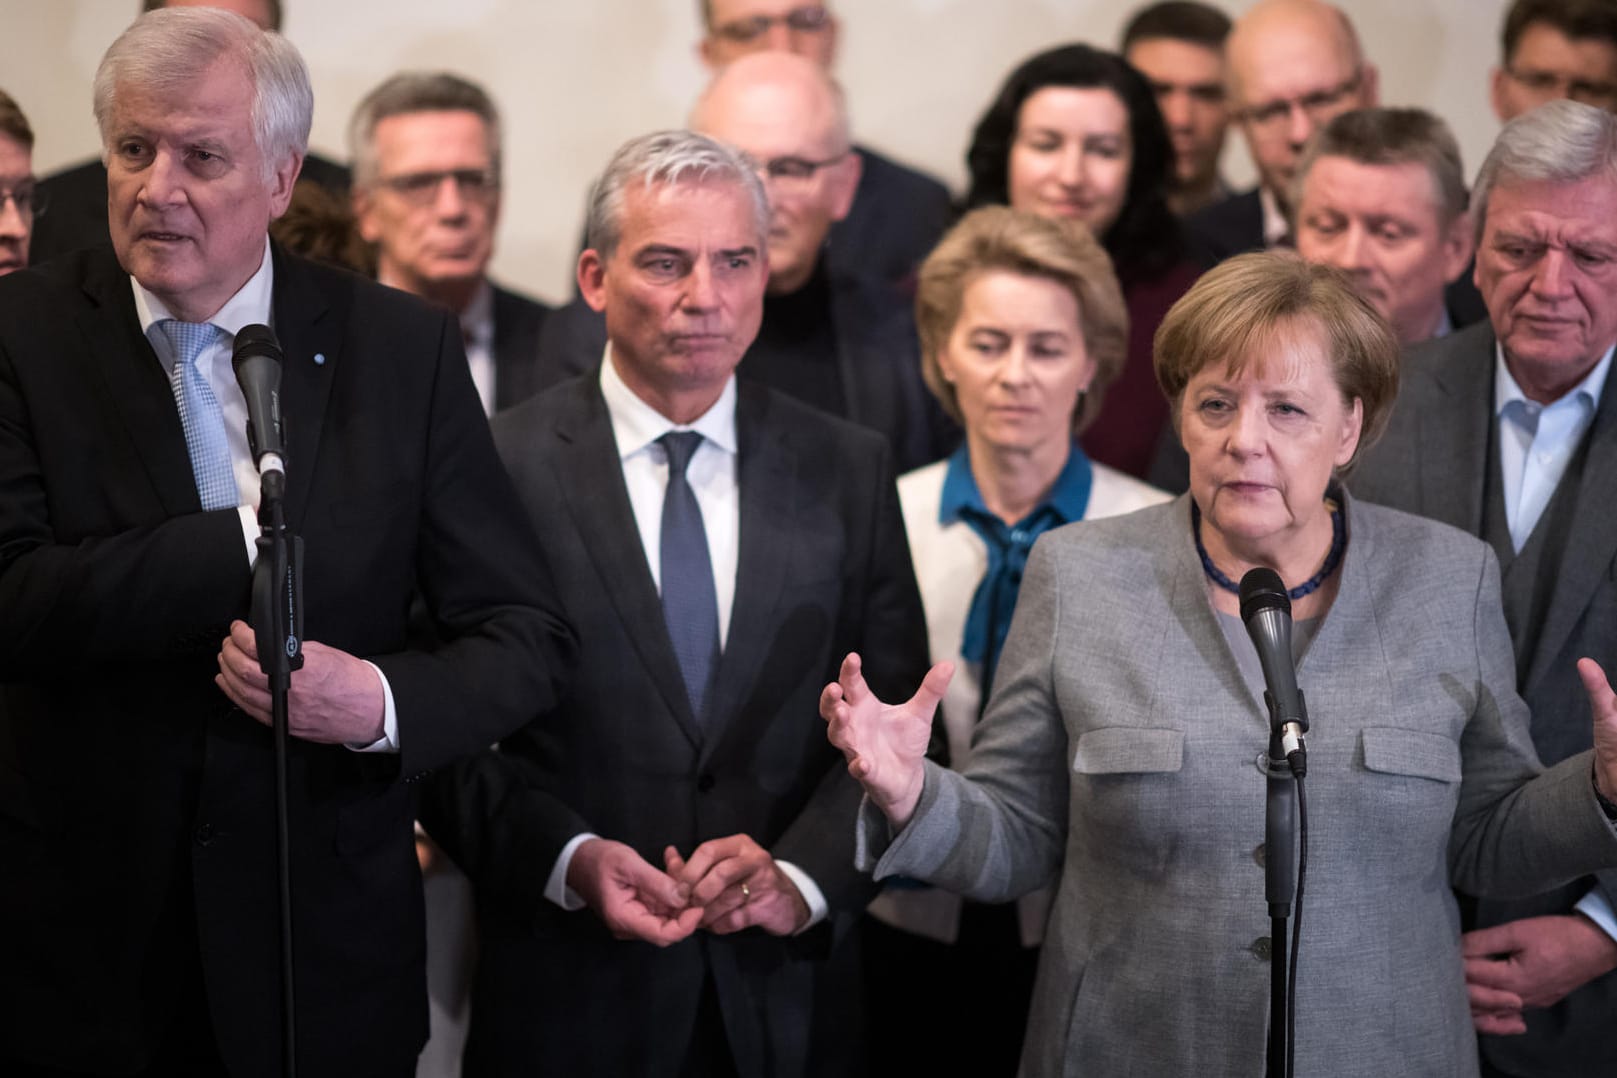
(1332, 560)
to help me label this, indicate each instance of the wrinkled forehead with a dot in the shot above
(721, 12)
(690, 213)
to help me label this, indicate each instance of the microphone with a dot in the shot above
(1266, 610)
(257, 363)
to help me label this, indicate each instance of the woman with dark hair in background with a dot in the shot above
(1075, 132)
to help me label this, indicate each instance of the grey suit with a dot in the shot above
(1434, 460)
(823, 569)
(1119, 755)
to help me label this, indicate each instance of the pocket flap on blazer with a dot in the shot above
(1116, 750)
(1396, 751)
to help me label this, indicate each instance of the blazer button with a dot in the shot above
(705, 782)
(204, 834)
(1260, 947)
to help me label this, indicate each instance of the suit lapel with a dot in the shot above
(1453, 446)
(133, 377)
(310, 327)
(766, 468)
(1592, 545)
(590, 476)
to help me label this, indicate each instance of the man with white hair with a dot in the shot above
(1508, 430)
(719, 545)
(136, 764)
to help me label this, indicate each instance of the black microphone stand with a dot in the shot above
(1284, 784)
(277, 620)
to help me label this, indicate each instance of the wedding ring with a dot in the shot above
(746, 894)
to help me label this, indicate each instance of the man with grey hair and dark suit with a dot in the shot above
(721, 545)
(1508, 430)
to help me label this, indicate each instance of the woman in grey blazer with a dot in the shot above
(1119, 755)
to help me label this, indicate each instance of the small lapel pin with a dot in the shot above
(319, 359)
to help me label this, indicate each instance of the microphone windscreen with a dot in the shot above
(1262, 589)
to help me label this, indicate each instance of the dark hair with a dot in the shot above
(1179, 20)
(1382, 136)
(1576, 19)
(1145, 238)
(274, 11)
(14, 123)
(320, 226)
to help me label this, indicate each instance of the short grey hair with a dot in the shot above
(667, 158)
(166, 50)
(1560, 142)
(1382, 136)
(417, 91)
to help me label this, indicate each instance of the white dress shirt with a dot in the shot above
(477, 330)
(1536, 443)
(253, 304)
(636, 426)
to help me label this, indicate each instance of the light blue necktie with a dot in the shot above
(200, 414)
(690, 605)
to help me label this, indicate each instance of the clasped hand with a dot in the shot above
(335, 698)
(726, 885)
(885, 743)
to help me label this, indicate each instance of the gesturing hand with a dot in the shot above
(633, 899)
(335, 699)
(739, 885)
(884, 743)
(1603, 706)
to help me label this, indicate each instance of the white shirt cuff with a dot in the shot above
(389, 741)
(810, 891)
(1595, 907)
(250, 531)
(556, 888)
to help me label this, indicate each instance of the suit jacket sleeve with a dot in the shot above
(1516, 834)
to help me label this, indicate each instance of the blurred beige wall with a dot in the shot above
(575, 79)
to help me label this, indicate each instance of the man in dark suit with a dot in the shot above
(720, 544)
(841, 341)
(1509, 431)
(898, 213)
(1293, 64)
(78, 193)
(426, 150)
(135, 800)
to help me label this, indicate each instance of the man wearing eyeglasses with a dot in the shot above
(830, 336)
(19, 200)
(1293, 66)
(1556, 48)
(897, 213)
(426, 152)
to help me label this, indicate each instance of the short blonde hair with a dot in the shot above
(1237, 308)
(999, 239)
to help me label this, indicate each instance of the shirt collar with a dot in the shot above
(251, 305)
(1275, 226)
(636, 424)
(1069, 497)
(477, 320)
(1505, 389)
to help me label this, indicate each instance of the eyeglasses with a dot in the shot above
(421, 188)
(29, 200)
(811, 19)
(1553, 84)
(796, 170)
(1268, 117)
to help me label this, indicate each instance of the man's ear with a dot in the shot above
(592, 279)
(1458, 247)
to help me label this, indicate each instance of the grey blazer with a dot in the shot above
(1119, 758)
(1432, 460)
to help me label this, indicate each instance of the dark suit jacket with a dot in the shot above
(878, 356)
(823, 569)
(77, 214)
(517, 323)
(897, 217)
(1432, 461)
(130, 790)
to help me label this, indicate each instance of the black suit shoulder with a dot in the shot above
(897, 215)
(1231, 227)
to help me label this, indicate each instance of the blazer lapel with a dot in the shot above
(590, 476)
(1591, 547)
(766, 471)
(1454, 431)
(133, 376)
(310, 328)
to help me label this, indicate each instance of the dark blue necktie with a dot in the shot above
(690, 605)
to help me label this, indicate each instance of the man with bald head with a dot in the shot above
(897, 213)
(78, 193)
(839, 341)
(1293, 65)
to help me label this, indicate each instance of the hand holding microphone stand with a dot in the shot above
(277, 611)
(1266, 610)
